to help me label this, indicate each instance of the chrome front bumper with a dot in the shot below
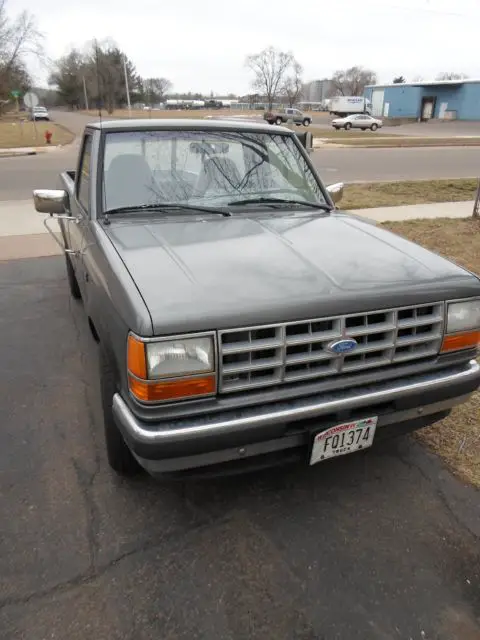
(228, 435)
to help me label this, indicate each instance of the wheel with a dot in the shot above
(374, 127)
(278, 121)
(306, 122)
(72, 280)
(348, 126)
(119, 456)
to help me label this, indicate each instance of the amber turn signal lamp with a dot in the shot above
(136, 358)
(172, 389)
(459, 341)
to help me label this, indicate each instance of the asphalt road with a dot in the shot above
(18, 176)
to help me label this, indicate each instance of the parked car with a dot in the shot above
(39, 113)
(242, 320)
(280, 117)
(357, 121)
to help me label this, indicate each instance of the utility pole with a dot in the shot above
(476, 204)
(85, 93)
(126, 86)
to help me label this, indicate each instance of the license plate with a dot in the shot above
(343, 438)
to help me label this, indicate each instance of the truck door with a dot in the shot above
(77, 229)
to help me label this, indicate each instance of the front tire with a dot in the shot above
(278, 121)
(306, 122)
(119, 456)
(374, 127)
(72, 280)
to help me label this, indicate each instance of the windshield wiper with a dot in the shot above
(273, 201)
(161, 206)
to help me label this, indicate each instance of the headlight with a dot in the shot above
(171, 370)
(181, 357)
(463, 316)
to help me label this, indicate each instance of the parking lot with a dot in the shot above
(377, 545)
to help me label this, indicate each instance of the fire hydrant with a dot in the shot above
(48, 137)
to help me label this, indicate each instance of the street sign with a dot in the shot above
(30, 99)
(16, 93)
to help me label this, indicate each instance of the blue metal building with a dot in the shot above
(441, 99)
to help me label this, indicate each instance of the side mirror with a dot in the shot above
(336, 191)
(306, 140)
(52, 201)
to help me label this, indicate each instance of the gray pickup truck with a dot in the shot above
(242, 320)
(287, 115)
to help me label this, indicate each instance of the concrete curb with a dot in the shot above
(11, 153)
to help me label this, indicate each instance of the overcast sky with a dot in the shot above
(200, 45)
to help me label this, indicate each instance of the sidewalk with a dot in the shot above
(23, 235)
(32, 151)
(414, 211)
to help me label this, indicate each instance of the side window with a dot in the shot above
(83, 183)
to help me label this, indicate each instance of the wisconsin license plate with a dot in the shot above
(343, 438)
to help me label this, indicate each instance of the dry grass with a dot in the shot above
(389, 194)
(353, 134)
(173, 113)
(457, 438)
(16, 132)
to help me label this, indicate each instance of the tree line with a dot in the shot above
(97, 77)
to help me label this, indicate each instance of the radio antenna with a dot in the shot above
(98, 83)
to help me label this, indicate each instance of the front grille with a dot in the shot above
(283, 353)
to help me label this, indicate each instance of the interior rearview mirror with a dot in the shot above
(52, 201)
(209, 147)
(336, 191)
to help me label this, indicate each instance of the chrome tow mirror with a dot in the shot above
(52, 201)
(336, 191)
(306, 140)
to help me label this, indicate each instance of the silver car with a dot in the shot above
(361, 121)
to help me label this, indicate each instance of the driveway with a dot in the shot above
(382, 545)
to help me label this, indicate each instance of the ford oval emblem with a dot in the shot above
(345, 345)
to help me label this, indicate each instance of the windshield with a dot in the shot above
(203, 168)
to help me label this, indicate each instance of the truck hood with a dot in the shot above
(196, 274)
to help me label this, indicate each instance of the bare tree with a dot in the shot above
(19, 37)
(399, 80)
(270, 67)
(352, 82)
(292, 87)
(155, 89)
(451, 75)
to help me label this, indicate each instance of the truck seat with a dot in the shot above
(129, 181)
